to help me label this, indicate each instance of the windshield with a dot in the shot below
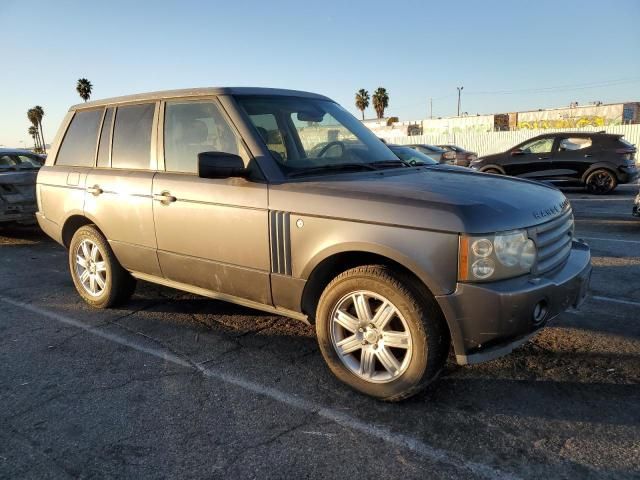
(306, 134)
(19, 161)
(412, 156)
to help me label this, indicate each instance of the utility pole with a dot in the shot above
(430, 107)
(459, 91)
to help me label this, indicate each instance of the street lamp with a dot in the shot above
(459, 91)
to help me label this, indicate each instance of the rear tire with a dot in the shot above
(601, 182)
(97, 275)
(380, 333)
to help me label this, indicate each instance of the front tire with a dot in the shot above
(97, 275)
(381, 334)
(601, 182)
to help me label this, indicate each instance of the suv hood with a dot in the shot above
(431, 198)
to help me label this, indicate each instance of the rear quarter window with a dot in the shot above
(132, 137)
(78, 146)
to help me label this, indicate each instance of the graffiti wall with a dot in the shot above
(576, 117)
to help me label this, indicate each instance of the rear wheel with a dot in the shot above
(495, 171)
(601, 182)
(380, 334)
(97, 275)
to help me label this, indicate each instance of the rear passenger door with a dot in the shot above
(118, 189)
(212, 233)
(573, 156)
(61, 187)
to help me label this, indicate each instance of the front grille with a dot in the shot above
(553, 241)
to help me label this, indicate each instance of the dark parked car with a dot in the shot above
(412, 156)
(18, 171)
(463, 157)
(599, 161)
(437, 153)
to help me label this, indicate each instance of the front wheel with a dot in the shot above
(97, 275)
(601, 182)
(380, 334)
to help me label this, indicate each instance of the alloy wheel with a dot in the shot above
(371, 337)
(91, 268)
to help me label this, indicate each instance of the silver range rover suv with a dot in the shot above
(282, 201)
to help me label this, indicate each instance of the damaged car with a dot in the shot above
(18, 172)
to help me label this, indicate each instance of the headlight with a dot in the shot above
(495, 257)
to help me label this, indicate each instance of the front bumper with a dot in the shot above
(489, 320)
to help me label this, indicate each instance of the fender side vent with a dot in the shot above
(280, 242)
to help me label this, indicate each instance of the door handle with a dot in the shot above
(587, 155)
(165, 198)
(543, 158)
(95, 190)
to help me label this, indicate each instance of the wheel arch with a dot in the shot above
(328, 264)
(493, 166)
(71, 226)
(600, 166)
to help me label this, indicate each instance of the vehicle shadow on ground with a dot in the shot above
(13, 234)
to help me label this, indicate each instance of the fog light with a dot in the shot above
(540, 311)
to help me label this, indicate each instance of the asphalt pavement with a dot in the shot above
(177, 386)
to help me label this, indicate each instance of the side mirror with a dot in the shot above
(516, 151)
(220, 165)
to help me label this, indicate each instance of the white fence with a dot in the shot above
(485, 143)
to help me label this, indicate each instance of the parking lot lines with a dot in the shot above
(397, 439)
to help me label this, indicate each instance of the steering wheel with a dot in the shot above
(331, 144)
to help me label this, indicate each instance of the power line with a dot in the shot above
(560, 88)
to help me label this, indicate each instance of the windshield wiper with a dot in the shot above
(338, 167)
(389, 164)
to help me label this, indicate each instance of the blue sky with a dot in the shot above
(504, 53)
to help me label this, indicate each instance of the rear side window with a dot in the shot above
(78, 147)
(577, 143)
(105, 139)
(132, 137)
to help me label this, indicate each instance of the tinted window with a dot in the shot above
(105, 139)
(27, 161)
(79, 144)
(132, 137)
(542, 145)
(194, 127)
(577, 143)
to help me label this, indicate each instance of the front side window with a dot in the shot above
(132, 137)
(78, 148)
(308, 134)
(578, 143)
(194, 127)
(542, 145)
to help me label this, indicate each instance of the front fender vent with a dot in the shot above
(280, 236)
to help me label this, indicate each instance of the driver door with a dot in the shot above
(531, 159)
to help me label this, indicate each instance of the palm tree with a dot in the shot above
(33, 132)
(84, 88)
(39, 114)
(33, 118)
(380, 101)
(362, 100)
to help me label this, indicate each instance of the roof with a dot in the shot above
(17, 150)
(197, 92)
